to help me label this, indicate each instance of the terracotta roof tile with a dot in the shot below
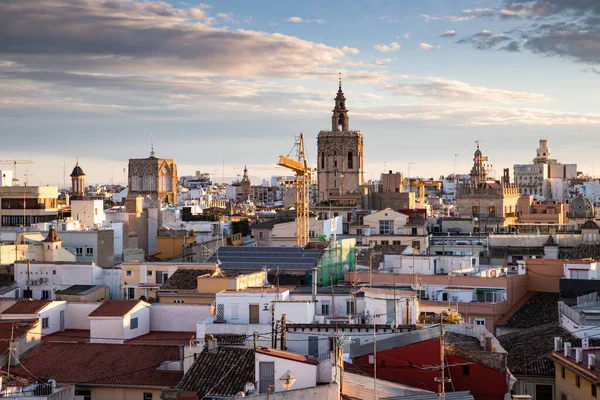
(27, 307)
(115, 308)
(220, 372)
(100, 363)
(539, 309)
(6, 331)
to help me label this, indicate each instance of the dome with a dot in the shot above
(77, 171)
(581, 207)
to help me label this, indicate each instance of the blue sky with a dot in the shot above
(238, 79)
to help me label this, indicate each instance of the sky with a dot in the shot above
(230, 83)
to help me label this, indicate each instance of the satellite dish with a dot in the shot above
(248, 387)
(287, 380)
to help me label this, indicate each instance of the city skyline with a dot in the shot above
(239, 80)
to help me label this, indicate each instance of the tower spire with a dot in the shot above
(340, 80)
(151, 146)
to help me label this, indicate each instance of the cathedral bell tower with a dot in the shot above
(340, 157)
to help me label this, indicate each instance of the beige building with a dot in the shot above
(533, 212)
(145, 278)
(26, 205)
(36, 247)
(389, 227)
(200, 286)
(84, 293)
(279, 233)
(340, 156)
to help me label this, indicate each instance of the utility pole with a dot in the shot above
(273, 326)
(276, 331)
(283, 332)
(442, 380)
(10, 348)
(255, 339)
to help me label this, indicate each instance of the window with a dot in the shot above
(386, 227)
(261, 235)
(492, 211)
(323, 160)
(577, 381)
(45, 294)
(53, 272)
(563, 396)
(325, 308)
(475, 210)
(79, 251)
(396, 243)
(594, 390)
(562, 372)
(45, 323)
(178, 301)
(479, 321)
(235, 311)
(86, 394)
(466, 370)
(161, 276)
(385, 242)
(133, 324)
(350, 308)
(149, 273)
(147, 396)
(89, 251)
(131, 293)
(128, 272)
(350, 160)
(416, 245)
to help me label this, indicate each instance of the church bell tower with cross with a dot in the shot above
(340, 156)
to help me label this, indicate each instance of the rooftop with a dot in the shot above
(270, 224)
(585, 251)
(541, 308)
(101, 364)
(164, 338)
(79, 289)
(185, 279)
(115, 308)
(223, 371)
(270, 289)
(26, 307)
(12, 330)
(257, 258)
(69, 335)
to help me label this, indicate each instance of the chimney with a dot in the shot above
(557, 343)
(585, 343)
(578, 354)
(591, 361)
(567, 349)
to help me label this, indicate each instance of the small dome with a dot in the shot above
(77, 171)
(581, 207)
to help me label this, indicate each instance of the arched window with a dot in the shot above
(350, 160)
(323, 160)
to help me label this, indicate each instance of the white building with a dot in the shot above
(431, 265)
(391, 307)
(248, 306)
(89, 213)
(50, 314)
(118, 320)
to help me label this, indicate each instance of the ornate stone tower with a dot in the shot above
(153, 177)
(543, 153)
(478, 172)
(245, 184)
(77, 183)
(340, 155)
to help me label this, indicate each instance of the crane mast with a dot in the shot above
(302, 183)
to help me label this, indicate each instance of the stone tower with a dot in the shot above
(543, 153)
(478, 172)
(77, 183)
(153, 177)
(245, 184)
(340, 155)
(52, 246)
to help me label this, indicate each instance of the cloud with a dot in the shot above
(512, 47)
(387, 19)
(486, 40)
(298, 20)
(591, 71)
(477, 116)
(406, 35)
(154, 37)
(385, 48)
(426, 46)
(228, 17)
(451, 18)
(445, 90)
(350, 50)
(382, 62)
(451, 33)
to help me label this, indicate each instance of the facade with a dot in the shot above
(577, 371)
(153, 177)
(544, 179)
(340, 155)
(533, 212)
(391, 227)
(116, 321)
(26, 205)
(89, 213)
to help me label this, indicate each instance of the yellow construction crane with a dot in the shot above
(14, 163)
(301, 168)
(421, 185)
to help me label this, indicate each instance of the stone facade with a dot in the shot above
(153, 177)
(340, 156)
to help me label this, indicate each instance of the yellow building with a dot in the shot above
(200, 286)
(389, 227)
(145, 278)
(171, 243)
(577, 372)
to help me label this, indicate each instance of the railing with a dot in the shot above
(323, 356)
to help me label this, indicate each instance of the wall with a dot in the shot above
(88, 212)
(306, 374)
(186, 298)
(264, 330)
(298, 312)
(568, 386)
(431, 264)
(243, 300)
(376, 303)
(142, 313)
(177, 317)
(544, 274)
(52, 312)
(337, 303)
(106, 330)
(77, 314)
(321, 392)
(117, 393)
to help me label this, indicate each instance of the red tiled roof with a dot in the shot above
(101, 364)
(287, 355)
(69, 335)
(6, 331)
(114, 308)
(27, 307)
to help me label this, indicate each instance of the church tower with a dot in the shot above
(77, 183)
(340, 156)
(245, 184)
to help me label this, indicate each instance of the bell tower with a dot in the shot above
(340, 156)
(339, 119)
(77, 182)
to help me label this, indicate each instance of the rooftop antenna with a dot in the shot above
(477, 141)
(340, 79)
(151, 146)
